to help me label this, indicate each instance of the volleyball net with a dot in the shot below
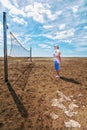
(17, 49)
(19, 62)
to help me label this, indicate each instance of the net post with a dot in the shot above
(31, 54)
(5, 47)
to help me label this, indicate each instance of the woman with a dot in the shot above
(57, 60)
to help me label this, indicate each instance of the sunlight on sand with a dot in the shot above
(68, 110)
(72, 123)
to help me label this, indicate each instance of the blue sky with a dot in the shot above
(41, 24)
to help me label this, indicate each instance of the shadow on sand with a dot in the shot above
(18, 103)
(70, 80)
(22, 110)
(22, 79)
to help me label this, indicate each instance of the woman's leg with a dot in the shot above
(58, 72)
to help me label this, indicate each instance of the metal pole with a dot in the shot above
(5, 47)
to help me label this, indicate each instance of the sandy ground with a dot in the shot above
(35, 100)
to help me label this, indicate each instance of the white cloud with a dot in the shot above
(85, 37)
(27, 41)
(47, 26)
(66, 41)
(48, 36)
(62, 26)
(53, 16)
(19, 20)
(38, 11)
(16, 11)
(34, 12)
(64, 34)
(15, 3)
(44, 46)
(85, 27)
(6, 4)
(12, 9)
(75, 9)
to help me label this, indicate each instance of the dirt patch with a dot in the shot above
(35, 100)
